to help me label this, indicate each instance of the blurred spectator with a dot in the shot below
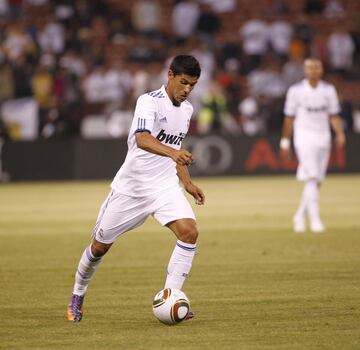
(4, 8)
(51, 37)
(63, 10)
(99, 61)
(253, 116)
(230, 83)
(43, 89)
(94, 86)
(267, 81)
(185, 15)
(147, 17)
(254, 34)
(333, 9)
(72, 62)
(297, 49)
(268, 85)
(280, 34)
(17, 43)
(341, 49)
(214, 116)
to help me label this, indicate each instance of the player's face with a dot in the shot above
(313, 70)
(180, 86)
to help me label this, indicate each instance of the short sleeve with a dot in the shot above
(145, 112)
(334, 107)
(290, 103)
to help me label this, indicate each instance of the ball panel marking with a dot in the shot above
(171, 306)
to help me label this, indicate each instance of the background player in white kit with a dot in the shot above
(148, 182)
(311, 107)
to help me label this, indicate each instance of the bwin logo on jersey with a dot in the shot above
(170, 139)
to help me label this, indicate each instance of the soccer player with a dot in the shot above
(311, 108)
(148, 182)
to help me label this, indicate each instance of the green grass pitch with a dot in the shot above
(254, 283)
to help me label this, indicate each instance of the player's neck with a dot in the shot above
(171, 97)
(313, 83)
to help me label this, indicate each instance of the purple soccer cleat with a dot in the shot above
(190, 315)
(74, 309)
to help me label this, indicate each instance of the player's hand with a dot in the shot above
(340, 140)
(182, 157)
(196, 192)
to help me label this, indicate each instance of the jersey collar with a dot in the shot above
(310, 87)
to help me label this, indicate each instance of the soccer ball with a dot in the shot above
(171, 306)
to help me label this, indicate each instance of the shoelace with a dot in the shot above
(77, 302)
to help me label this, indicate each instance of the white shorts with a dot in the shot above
(120, 213)
(313, 162)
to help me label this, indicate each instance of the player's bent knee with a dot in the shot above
(189, 234)
(99, 249)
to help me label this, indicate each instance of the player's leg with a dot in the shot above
(117, 215)
(313, 190)
(181, 259)
(183, 254)
(307, 162)
(88, 264)
(300, 214)
(174, 211)
(312, 160)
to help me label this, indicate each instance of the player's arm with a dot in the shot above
(149, 143)
(336, 125)
(191, 188)
(285, 141)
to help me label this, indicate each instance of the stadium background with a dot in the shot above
(71, 72)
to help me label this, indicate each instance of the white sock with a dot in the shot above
(311, 192)
(180, 264)
(86, 269)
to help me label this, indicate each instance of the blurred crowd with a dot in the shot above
(84, 63)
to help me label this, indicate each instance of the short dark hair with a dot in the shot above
(185, 64)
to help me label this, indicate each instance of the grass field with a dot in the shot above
(254, 283)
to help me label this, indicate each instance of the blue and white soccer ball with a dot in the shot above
(171, 306)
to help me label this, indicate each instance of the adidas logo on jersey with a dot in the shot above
(170, 139)
(163, 120)
(156, 93)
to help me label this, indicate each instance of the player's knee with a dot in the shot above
(99, 249)
(189, 234)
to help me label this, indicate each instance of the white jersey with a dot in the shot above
(144, 173)
(311, 108)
